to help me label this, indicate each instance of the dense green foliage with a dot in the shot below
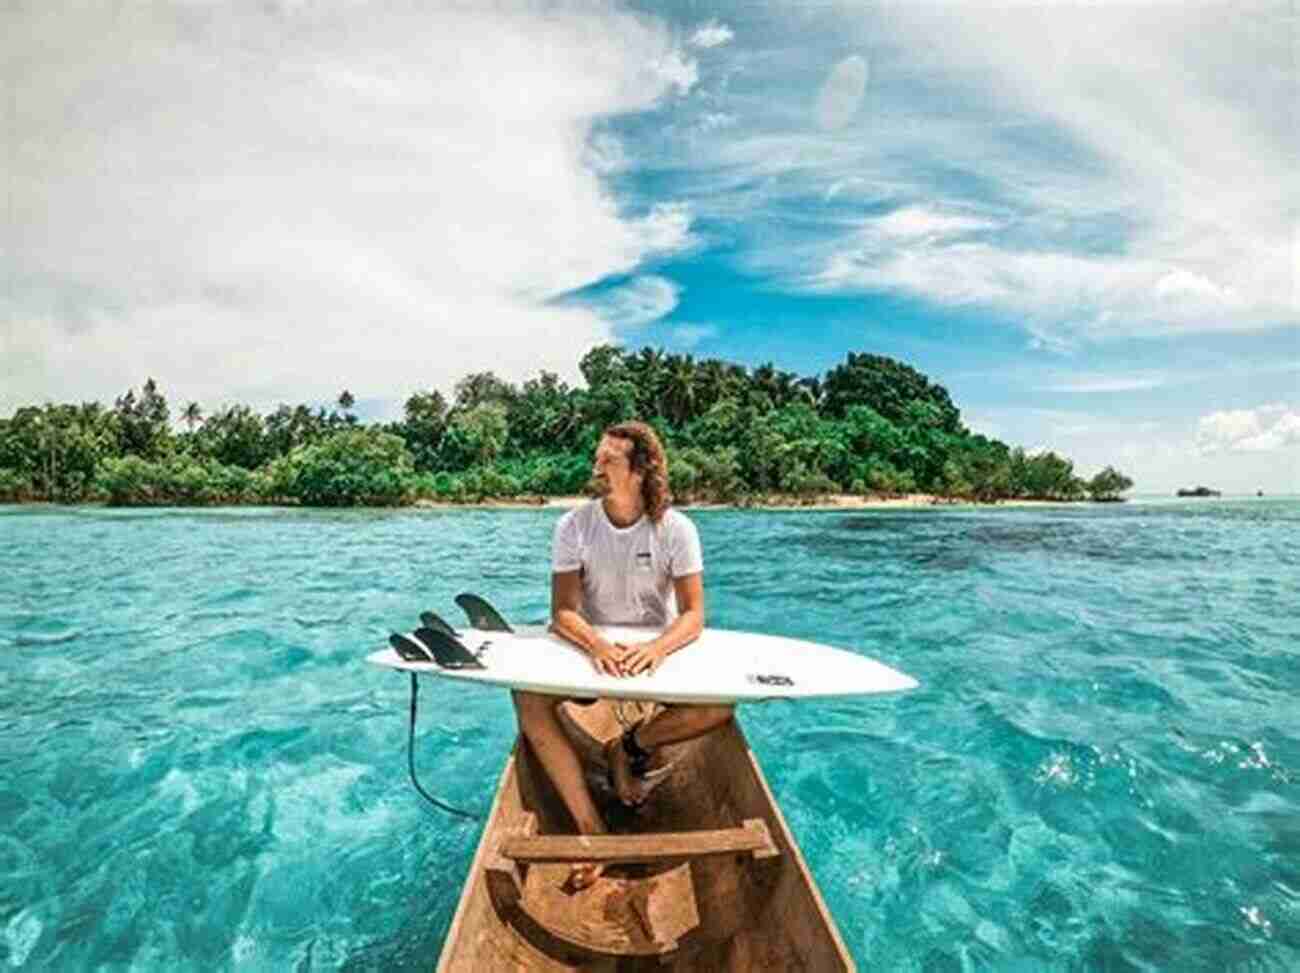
(1108, 485)
(871, 425)
(353, 466)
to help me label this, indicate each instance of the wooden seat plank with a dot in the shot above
(750, 838)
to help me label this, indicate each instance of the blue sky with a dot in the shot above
(1081, 221)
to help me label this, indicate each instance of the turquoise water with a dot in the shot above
(1101, 770)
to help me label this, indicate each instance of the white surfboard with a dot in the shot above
(719, 667)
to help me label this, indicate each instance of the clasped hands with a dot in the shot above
(619, 659)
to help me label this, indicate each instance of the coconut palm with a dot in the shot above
(679, 389)
(764, 380)
(710, 384)
(646, 372)
(346, 402)
(809, 389)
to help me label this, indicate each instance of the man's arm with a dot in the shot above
(568, 622)
(684, 630)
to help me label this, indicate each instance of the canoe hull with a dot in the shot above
(747, 914)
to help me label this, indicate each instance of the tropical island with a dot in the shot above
(870, 427)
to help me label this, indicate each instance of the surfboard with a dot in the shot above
(721, 666)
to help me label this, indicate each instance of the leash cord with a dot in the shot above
(410, 762)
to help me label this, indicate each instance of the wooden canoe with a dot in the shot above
(705, 877)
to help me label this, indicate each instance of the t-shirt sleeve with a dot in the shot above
(685, 554)
(566, 545)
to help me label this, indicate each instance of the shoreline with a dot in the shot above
(839, 501)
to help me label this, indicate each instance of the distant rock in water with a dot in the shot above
(1259, 493)
(1200, 491)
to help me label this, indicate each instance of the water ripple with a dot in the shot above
(1100, 769)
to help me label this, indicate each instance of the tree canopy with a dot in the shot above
(870, 425)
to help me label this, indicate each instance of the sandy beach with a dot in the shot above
(839, 501)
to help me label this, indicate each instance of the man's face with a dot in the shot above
(612, 469)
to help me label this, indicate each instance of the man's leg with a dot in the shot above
(672, 724)
(675, 724)
(540, 724)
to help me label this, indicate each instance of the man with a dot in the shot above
(625, 558)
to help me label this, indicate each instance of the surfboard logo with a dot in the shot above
(770, 679)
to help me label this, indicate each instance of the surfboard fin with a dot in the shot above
(434, 621)
(447, 650)
(482, 616)
(409, 649)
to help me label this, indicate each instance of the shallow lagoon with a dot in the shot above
(1100, 771)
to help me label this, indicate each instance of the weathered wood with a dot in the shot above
(467, 925)
(527, 826)
(504, 879)
(505, 884)
(615, 916)
(751, 838)
(764, 846)
(754, 913)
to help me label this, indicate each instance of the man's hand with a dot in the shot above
(607, 659)
(643, 658)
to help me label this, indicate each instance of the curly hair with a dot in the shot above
(648, 459)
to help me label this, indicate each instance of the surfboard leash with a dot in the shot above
(410, 762)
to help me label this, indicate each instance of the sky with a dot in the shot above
(1080, 220)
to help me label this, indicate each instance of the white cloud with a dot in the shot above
(710, 121)
(921, 222)
(1203, 160)
(1267, 428)
(1181, 285)
(605, 154)
(711, 34)
(1066, 295)
(638, 302)
(1214, 373)
(1138, 381)
(1137, 160)
(271, 204)
(1159, 454)
(676, 69)
(841, 93)
(840, 185)
(690, 335)
(666, 229)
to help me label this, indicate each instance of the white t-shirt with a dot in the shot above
(627, 572)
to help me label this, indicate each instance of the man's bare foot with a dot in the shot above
(654, 776)
(620, 768)
(631, 789)
(584, 875)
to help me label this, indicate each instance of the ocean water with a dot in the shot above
(1100, 771)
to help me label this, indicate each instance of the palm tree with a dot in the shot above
(192, 415)
(645, 369)
(811, 390)
(764, 380)
(710, 384)
(784, 385)
(679, 388)
(346, 402)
